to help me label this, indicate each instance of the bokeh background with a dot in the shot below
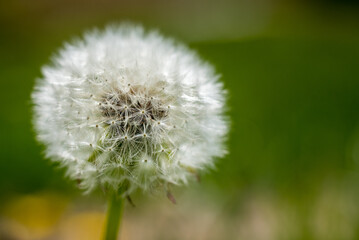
(292, 71)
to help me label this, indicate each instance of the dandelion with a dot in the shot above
(125, 109)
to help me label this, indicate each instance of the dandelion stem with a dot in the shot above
(114, 216)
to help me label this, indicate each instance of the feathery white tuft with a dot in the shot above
(128, 107)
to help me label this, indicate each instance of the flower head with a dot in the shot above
(128, 107)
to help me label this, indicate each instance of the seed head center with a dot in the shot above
(132, 113)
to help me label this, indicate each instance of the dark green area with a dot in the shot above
(293, 106)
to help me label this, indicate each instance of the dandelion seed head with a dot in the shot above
(128, 106)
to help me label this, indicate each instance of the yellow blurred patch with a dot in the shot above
(86, 225)
(34, 216)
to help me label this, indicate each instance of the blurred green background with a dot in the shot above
(292, 72)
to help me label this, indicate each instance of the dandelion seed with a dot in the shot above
(136, 81)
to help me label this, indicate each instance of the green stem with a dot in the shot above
(114, 215)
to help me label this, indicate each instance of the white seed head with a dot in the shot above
(128, 107)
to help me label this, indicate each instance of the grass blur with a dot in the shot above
(292, 72)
